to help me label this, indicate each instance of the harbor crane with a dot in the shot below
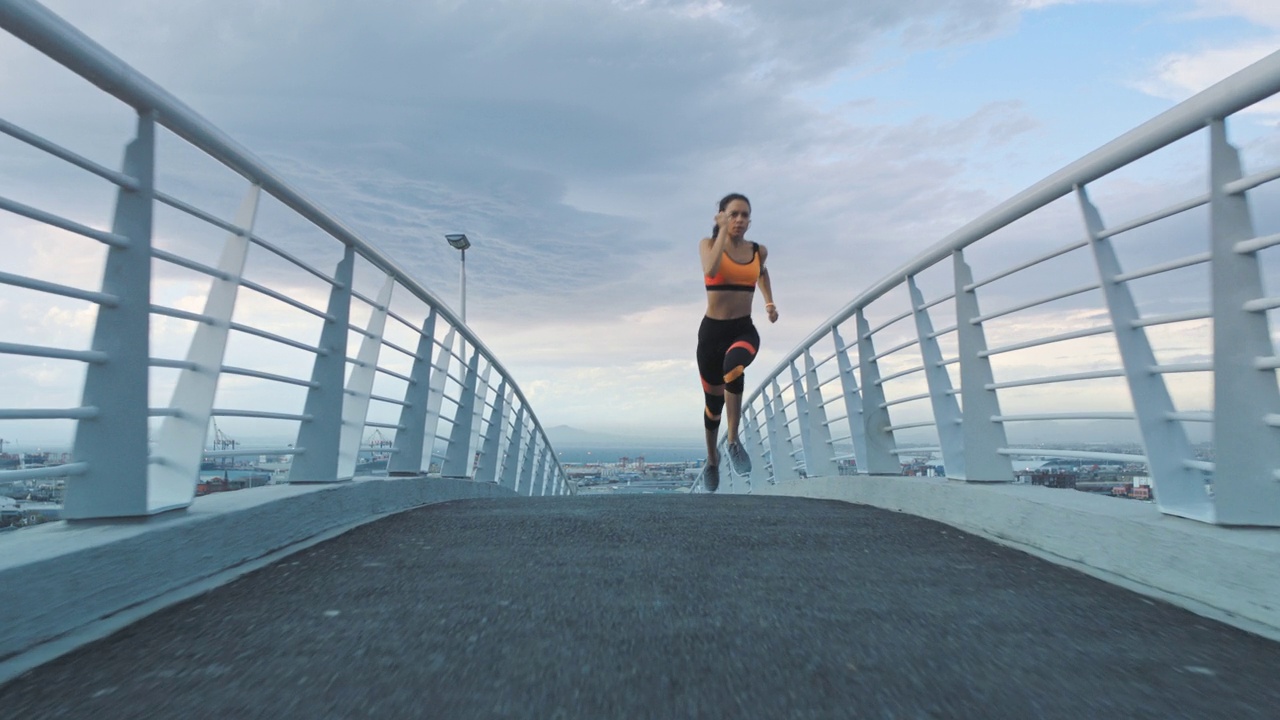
(377, 440)
(222, 441)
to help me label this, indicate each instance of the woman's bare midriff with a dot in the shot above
(728, 304)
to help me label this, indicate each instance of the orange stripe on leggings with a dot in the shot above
(734, 374)
(742, 344)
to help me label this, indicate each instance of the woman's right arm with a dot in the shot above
(712, 248)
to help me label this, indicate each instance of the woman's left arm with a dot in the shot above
(766, 287)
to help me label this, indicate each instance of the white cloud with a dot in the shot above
(1042, 4)
(1178, 76)
(1258, 12)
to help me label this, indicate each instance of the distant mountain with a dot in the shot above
(567, 436)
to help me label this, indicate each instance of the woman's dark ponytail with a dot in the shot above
(724, 203)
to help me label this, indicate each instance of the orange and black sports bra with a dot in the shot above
(734, 275)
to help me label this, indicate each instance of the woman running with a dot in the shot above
(727, 339)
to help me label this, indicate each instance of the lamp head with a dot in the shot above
(458, 241)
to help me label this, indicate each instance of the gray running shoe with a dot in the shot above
(739, 459)
(711, 477)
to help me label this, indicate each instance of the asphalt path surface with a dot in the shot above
(660, 606)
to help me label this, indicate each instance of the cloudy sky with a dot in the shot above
(583, 144)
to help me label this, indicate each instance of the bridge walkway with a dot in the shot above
(659, 606)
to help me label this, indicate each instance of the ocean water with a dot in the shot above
(609, 455)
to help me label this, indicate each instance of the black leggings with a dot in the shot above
(725, 349)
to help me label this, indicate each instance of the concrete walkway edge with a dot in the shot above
(60, 581)
(1228, 574)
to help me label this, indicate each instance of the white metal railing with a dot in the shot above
(439, 391)
(1066, 334)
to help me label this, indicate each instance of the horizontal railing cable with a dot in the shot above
(293, 259)
(276, 295)
(1027, 264)
(89, 356)
(1260, 243)
(30, 138)
(1070, 377)
(1156, 216)
(259, 414)
(28, 283)
(172, 364)
(1250, 182)
(79, 413)
(246, 372)
(1171, 318)
(878, 328)
(182, 315)
(1027, 305)
(266, 335)
(102, 236)
(197, 213)
(392, 373)
(1038, 342)
(1178, 264)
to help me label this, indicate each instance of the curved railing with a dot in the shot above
(315, 290)
(1175, 345)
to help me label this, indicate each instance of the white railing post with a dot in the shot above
(458, 459)
(753, 443)
(477, 419)
(946, 409)
(114, 443)
(355, 405)
(780, 447)
(511, 462)
(532, 457)
(487, 470)
(320, 432)
(505, 432)
(981, 437)
(1246, 483)
(435, 394)
(530, 441)
(180, 444)
(802, 419)
(822, 460)
(852, 403)
(548, 463)
(881, 459)
(1179, 490)
(408, 456)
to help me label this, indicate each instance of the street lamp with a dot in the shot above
(460, 241)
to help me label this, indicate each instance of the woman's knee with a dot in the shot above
(714, 408)
(736, 360)
(737, 384)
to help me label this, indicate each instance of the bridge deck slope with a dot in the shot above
(1230, 574)
(661, 606)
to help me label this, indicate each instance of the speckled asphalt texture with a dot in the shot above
(661, 607)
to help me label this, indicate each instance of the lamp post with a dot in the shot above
(460, 241)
